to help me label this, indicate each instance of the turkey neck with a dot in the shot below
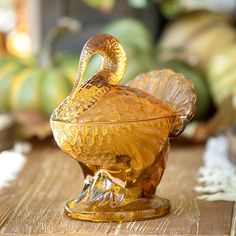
(113, 56)
(85, 95)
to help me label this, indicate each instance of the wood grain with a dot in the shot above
(33, 203)
(233, 224)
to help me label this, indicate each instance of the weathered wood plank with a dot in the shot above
(233, 224)
(34, 202)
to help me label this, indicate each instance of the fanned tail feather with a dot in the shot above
(172, 88)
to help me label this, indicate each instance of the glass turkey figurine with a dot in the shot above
(120, 134)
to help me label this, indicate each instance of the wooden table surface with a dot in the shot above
(33, 203)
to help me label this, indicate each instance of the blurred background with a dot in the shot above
(41, 41)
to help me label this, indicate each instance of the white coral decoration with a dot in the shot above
(218, 176)
(12, 161)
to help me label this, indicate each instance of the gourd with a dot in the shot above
(221, 75)
(196, 37)
(42, 82)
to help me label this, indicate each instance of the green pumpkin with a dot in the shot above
(25, 90)
(55, 87)
(138, 45)
(9, 67)
(40, 83)
(132, 34)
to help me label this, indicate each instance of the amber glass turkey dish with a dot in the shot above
(120, 134)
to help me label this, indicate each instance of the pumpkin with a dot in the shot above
(137, 42)
(42, 82)
(195, 38)
(9, 67)
(221, 75)
(132, 33)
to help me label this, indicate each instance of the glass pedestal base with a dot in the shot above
(140, 209)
